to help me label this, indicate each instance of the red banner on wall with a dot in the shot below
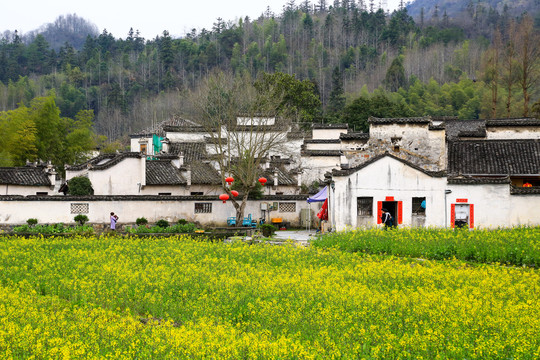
(471, 216)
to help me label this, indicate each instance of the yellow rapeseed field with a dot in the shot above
(169, 298)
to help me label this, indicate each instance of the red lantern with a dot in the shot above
(224, 197)
(229, 180)
(234, 193)
(262, 180)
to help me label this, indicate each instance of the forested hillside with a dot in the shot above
(360, 60)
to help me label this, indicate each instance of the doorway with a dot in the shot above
(391, 206)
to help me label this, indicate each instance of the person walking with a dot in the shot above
(387, 219)
(114, 220)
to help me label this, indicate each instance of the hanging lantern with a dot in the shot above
(234, 193)
(262, 180)
(224, 197)
(229, 180)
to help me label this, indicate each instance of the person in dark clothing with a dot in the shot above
(387, 219)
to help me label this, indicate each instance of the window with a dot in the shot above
(203, 208)
(164, 193)
(419, 206)
(78, 208)
(196, 193)
(364, 206)
(143, 148)
(42, 193)
(287, 207)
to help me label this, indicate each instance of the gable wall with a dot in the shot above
(120, 179)
(386, 178)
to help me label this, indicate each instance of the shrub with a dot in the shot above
(31, 222)
(80, 185)
(268, 229)
(141, 221)
(162, 223)
(182, 222)
(81, 219)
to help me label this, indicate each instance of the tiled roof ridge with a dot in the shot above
(136, 197)
(115, 159)
(330, 126)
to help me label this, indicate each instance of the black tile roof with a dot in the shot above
(29, 176)
(105, 161)
(321, 153)
(494, 157)
(515, 190)
(193, 151)
(469, 180)
(513, 122)
(284, 176)
(349, 171)
(464, 128)
(159, 129)
(355, 136)
(330, 126)
(322, 141)
(163, 172)
(204, 173)
(139, 198)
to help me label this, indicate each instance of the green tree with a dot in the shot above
(80, 186)
(336, 102)
(395, 76)
(299, 97)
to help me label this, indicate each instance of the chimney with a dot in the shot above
(51, 173)
(275, 178)
(179, 161)
(188, 175)
(165, 143)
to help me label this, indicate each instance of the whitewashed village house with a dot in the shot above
(466, 172)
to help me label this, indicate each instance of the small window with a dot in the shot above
(287, 207)
(164, 193)
(78, 208)
(364, 206)
(203, 208)
(196, 193)
(143, 148)
(419, 206)
(42, 193)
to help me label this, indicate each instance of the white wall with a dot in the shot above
(135, 145)
(121, 179)
(327, 133)
(25, 190)
(494, 206)
(58, 209)
(518, 132)
(316, 166)
(323, 146)
(387, 178)
(186, 136)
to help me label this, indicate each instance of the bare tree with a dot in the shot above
(528, 60)
(244, 126)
